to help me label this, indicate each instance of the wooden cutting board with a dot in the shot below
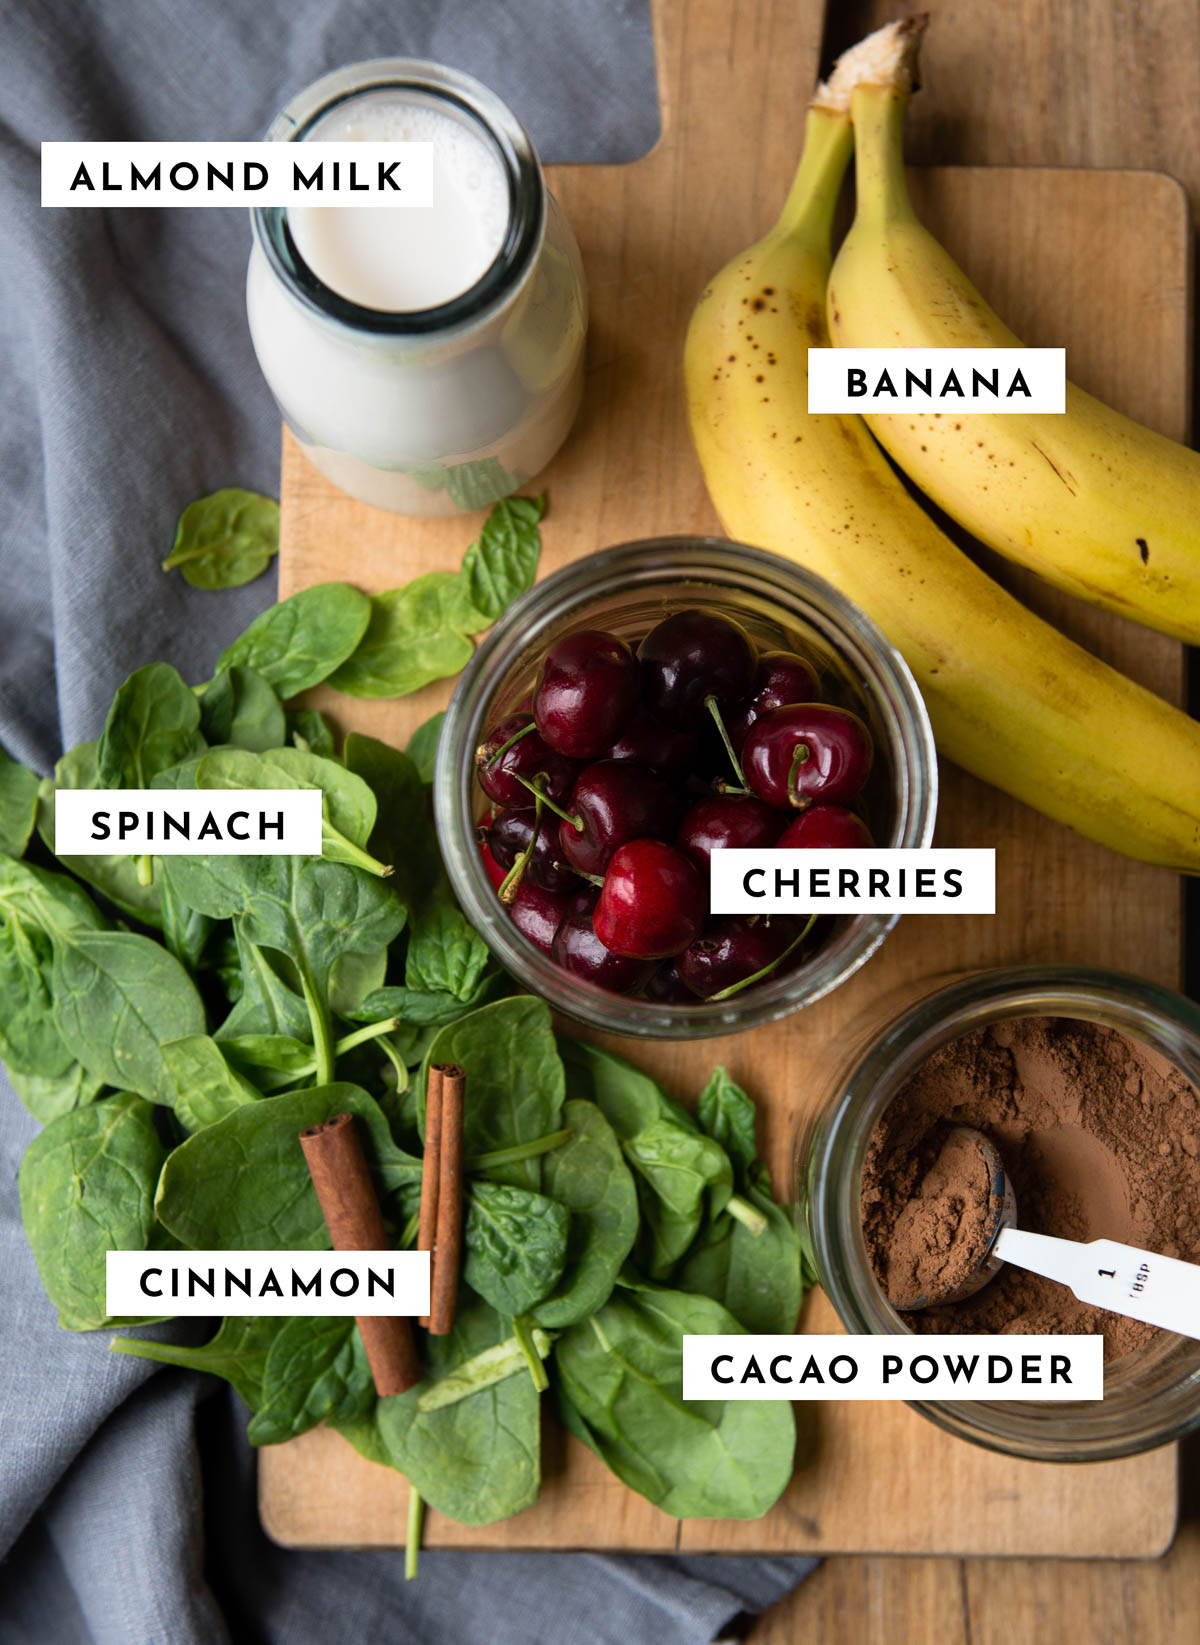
(1099, 261)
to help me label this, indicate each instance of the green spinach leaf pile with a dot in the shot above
(175, 1022)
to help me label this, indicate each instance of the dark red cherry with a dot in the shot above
(726, 820)
(578, 949)
(667, 987)
(781, 677)
(667, 748)
(653, 901)
(491, 867)
(525, 755)
(508, 837)
(807, 753)
(690, 657)
(616, 801)
(733, 947)
(825, 827)
(586, 693)
(538, 913)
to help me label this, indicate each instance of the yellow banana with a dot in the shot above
(1010, 698)
(1089, 500)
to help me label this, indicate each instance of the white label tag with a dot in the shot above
(958, 380)
(893, 1367)
(856, 880)
(184, 822)
(237, 174)
(369, 1283)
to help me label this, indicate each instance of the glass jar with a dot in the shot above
(627, 590)
(435, 410)
(1152, 1395)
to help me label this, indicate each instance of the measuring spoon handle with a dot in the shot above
(1139, 1284)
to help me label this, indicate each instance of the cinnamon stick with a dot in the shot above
(448, 1242)
(430, 1168)
(348, 1203)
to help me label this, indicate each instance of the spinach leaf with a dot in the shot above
(18, 805)
(266, 1005)
(416, 634)
(310, 730)
(347, 806)
(354, 978)
(46, 1096)
(34, 904)
(118, 999)
(239, 708)
(514, 1080)
(302, 640)
(205, 1087)
(238, 1352)
(403, 834)
(242, 1184)
(185, 932)
(116, 877)
(628, 1099)
(685, 1178)
(271, 1059)
(419, 1007)
(87, 1187)
(502, 561)
(590, 1178)
(514, 1245)
(225, 539)
(476, 1459)
(315, 1368)
(445, 955)
(755, 1274)
(423, 745)
(153, 724)
(620, 1379)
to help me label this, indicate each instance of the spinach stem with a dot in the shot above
(357, 855)
(318, 1017)
(524, 1335)
(397, 1062)
(742, 1211)
(145, 870)
(372, 1031)
(412, 1541)
(518, 1152)
(408, 1234)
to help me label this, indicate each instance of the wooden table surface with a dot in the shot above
(1038, 83)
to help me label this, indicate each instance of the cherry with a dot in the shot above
(494, 870)
(578, 949)
(807, 752)
(513, 749)
(781, 677)
(616, 801)
(726, 820)
(509, 836)
(653, 902)
(693, 656)
(586, 693)
(667, 987)
(825, 827)
(667, 748)
(732, 948)
(538, 913)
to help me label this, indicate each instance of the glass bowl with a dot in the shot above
(627, 590)
(1152, 1395)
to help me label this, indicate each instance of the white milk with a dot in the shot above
(413, 419)
(398, 261)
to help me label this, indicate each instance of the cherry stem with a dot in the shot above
(714, 709)
(511, 883)
(504, 747)
(801, 756)
(576, 822)
(747, 982)
(592, 879)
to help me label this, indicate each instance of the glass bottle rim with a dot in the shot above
(622, 569)
(829, 1158)
(498, 127)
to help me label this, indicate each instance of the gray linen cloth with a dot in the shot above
(127, 1507)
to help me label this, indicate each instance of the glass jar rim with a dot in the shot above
(885, 677)
(829, 1163)
(498, 126)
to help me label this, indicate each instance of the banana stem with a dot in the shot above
(880, 184)
(808, 211)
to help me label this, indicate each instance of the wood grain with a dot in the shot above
(1042, 248)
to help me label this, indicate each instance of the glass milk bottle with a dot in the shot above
(428, 359)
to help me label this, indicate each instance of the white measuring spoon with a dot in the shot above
(1140, 1284)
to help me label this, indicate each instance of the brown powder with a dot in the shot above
(941, 1235)
(1099, 1135)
